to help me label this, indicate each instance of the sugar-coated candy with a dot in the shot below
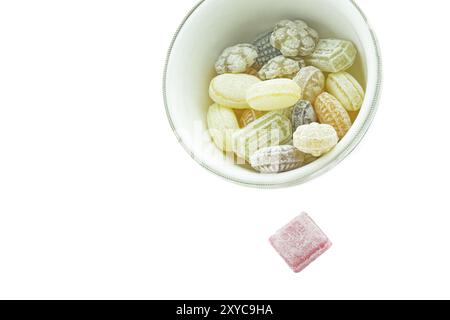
(312, 82)
(332, 55)
(315, 139)
(302, 113)
(294, 38)
(285, 99)
(230, 90)
(346, 89)
(248, 116)
(265, 50)
(273, 94)
(330, 111)
(279, 67)
(222, 124)
(277, 159)
(300, 242)
(272, 129)
(237, 59)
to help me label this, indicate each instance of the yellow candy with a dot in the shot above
(222, 124)
(230, 90)
(312, 82)
(330, 111)
(346, 89)
(315, 139)
(273, 95)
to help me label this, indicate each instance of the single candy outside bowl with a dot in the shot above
(213, 25)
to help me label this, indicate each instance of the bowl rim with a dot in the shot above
(328, 166)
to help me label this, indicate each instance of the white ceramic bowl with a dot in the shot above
(213, 25)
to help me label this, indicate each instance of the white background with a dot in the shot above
(98, 200)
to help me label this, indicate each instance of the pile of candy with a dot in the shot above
(287, 87)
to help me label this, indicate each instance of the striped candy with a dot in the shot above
(302, 113)
(332, 55)
(277, 159)
(312, 82)
(222, 124)
(265, 50)
(330, 111)
(346, 89)
(271, 129)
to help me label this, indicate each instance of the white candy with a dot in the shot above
(237, 59)
(315, 139)
(277, 159)
(279, 67)
(294, 38)
(332, 55)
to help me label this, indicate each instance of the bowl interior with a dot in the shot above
(216, 24)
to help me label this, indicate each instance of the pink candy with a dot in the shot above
(300, 242)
